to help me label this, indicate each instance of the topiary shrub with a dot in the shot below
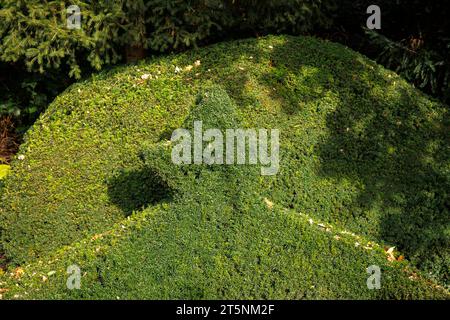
(363, 166)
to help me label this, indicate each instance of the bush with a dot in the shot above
(34, 37)
(36, 32)
(426, 67)
(361, 150)
(413, 40)
(199, 250)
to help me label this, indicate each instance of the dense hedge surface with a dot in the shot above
(361, 152)
(223, 253)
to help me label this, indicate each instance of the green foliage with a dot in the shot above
(179, 24)
(35, 32)
(34, 37)
(361, 152)
(25, 95)
(199, 250)
(413, 40)
(288, 16)
(427, 68)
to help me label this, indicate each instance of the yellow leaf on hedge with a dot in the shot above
(4, 169)
(269, 203)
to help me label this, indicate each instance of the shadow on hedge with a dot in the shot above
(399, 155)
(134, 190)
(396, 148)
(399, 149)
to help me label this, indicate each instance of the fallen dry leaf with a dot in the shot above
(390, 250)
(413, 276)
(97, 236)
(390, 254)
(269, 204)
(18, 272)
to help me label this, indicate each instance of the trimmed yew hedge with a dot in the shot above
(361, 150)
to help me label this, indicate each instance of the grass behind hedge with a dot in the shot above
(360, 148)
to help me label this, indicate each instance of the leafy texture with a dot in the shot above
(364, 165)
(4, 169)
(36, 32)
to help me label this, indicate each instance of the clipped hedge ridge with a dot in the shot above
(361, 150)
(280, 254)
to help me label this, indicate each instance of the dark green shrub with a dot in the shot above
(35, 32)
(427, 67)
(361, 150)
(202, 248)
(34, 37)
(217, 239)
(24, 96)
(413, 40)
(288, 16)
